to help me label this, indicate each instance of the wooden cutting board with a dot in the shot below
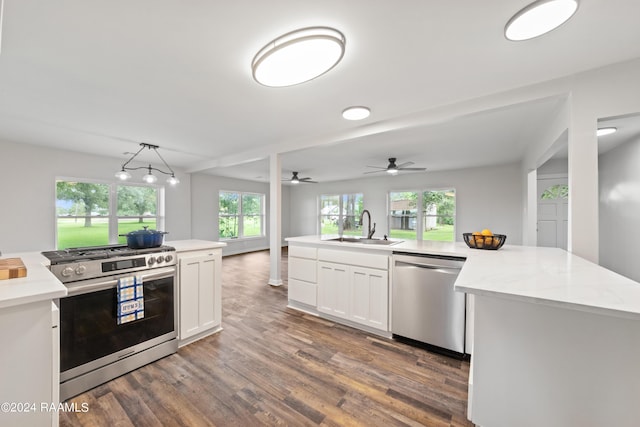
(12, 268)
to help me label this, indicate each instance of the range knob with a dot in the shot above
(80, 270)
(160, 259)
(67, 271)
(168, 258)
(151, 261)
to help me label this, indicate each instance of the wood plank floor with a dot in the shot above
(275, 366)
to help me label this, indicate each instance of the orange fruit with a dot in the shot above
(486, 232)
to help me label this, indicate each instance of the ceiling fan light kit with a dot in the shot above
(297, 180)
(298, 56)
(149, 177)
(539, 18)
(393, 168)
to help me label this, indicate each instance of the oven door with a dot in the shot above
(90, 336)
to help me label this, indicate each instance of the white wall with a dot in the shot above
(27, 186)
(204, 215)
(619, 182)
(488, 197)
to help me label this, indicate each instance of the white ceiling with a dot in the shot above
(100, 77)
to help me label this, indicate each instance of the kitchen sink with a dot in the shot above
(364, 241)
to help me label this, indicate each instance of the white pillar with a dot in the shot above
(275, 219)
(583, 238)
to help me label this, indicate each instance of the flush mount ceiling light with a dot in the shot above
(606, 131)
(149, 178)
(298, 56)
(356, 113)
(539, 18)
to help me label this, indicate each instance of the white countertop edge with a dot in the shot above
(194, 245)
(605, 311)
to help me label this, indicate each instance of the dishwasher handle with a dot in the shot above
(435, 268)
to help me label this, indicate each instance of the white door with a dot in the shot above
(553, 212)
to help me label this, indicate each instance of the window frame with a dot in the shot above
(341, 215)
(420, 211)
(241, 216)
(112, 216)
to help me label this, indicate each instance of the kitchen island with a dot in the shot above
(29, 368)
(555, 337)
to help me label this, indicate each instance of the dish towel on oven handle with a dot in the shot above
(130, 299)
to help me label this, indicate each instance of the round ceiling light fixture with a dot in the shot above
(356, 113)
(298, 56)
(539, 18)
(606, 131)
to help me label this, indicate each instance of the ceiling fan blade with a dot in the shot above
(304, 181)
(377, 167)
(401, 166)
(413, 169)
(381, 170)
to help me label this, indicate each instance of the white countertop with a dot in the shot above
(194, 245)
(40, 284)
(547, 276)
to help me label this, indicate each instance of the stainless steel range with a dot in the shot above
(98, 343)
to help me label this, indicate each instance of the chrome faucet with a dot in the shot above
(370, 230)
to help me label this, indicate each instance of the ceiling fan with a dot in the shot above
(295, 180)
(393, 169)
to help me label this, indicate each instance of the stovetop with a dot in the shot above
(99, 252)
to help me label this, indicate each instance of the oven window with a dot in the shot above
(89, 329)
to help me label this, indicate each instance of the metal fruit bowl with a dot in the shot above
(493, 242)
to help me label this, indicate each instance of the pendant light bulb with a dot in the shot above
(149, 178)
(123, 175)
(172, 180)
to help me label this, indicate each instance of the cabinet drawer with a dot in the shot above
(303, 292)
(302, 269)
(303, 252)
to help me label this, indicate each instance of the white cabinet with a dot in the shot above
(356, 289)
(333, 289)
(369, 300)
(200, 287)
(302, 275)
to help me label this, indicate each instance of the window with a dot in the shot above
(435, 209)
(240, 215)
(340, 214)
(94, 214)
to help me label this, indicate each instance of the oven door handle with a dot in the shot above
(160, 273)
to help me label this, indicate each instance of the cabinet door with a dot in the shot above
(369, 297)
(333, 289)
(198, 294)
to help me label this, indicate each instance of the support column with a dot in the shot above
(275, 220)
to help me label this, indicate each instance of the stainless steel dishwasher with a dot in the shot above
(425, 307)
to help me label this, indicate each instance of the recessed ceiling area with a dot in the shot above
(487, 138)
(100, 78)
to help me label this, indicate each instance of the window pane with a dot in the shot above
(251, 225)
(329, 214)
(137, 201)
(228, 204)
(252, 204)
(74, 233)
(79, 206)
(439, 209)
(352, 209)
(228, 227)
(403, 215)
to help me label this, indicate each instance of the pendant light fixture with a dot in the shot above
(298, 56)
(539, 18)
(149, 178)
